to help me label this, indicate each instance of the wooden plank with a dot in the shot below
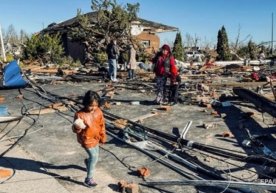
(2, 99)
(9, 119)
(236, 84)
(141, 118)
(39, 69)
(51, 109)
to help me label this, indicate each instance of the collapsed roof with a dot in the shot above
(92, 16)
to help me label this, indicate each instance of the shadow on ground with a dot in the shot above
(16, 164)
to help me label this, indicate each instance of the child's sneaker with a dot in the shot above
(89, 182)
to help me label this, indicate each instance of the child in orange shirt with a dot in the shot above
(89, 126)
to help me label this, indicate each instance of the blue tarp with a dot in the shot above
(12, 77)
(3, 110)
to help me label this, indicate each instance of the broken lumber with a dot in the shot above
(50, 109)
(2, 99)
(39, 69)
(4, 173)
(120, 123)
(234, 84)
(9, 119)
(141, 118)
(126, 187)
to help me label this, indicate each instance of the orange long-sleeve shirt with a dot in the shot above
(94, 133)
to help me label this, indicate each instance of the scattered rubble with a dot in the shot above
(232, 96)
(4, 173)
(125, 187)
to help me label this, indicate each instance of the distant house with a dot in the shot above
(145, 31)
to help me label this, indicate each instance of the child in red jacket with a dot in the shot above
(89, 126)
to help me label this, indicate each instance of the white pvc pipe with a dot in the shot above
(185, 130)
(2, 45)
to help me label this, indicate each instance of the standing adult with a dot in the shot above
(262, 57)
(132, 62)
(164, 67)
(112, 53)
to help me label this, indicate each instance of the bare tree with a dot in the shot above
(189, 40)
(196, 40)
(11, 35)
(23, 36)
(235, 46)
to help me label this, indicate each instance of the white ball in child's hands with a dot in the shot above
(79, 123)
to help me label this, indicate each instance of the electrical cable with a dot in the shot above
(43, 96)
(46, 97)
(4, 127)
(19, 138)
(17, 123)
(57, 111)
(140, 165)
(224, 160)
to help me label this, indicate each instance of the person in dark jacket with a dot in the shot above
(112, 53)
(164, 68)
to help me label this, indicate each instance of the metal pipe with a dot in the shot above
(194, 166)
(170, 165)
(180, 160)
(185, 142)
(162, 161)
(259, 101)
(230, 184)
(165, 162)
(161, 134)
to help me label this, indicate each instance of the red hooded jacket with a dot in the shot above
(165, 65)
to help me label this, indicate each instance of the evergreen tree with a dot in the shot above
(44, 47)
(178, 50)
(223, 46)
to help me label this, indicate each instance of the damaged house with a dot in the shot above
(143, 30)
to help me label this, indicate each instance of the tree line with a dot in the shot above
(224, 51)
